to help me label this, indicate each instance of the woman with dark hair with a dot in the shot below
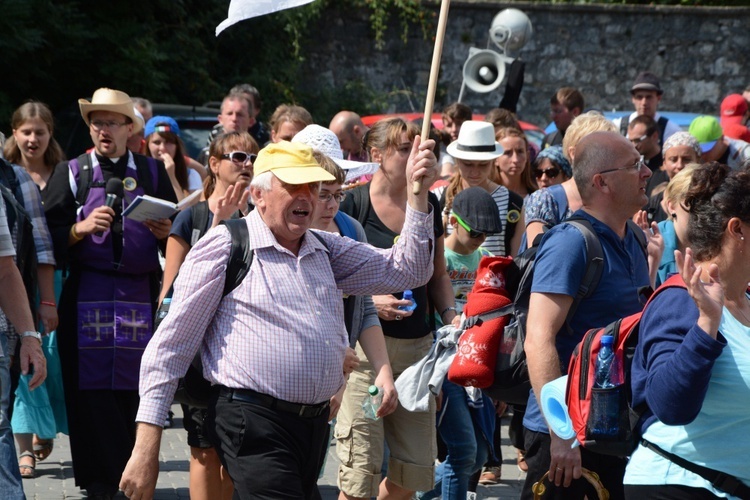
(230, 165)
(39, 415)
(380, 207)
(163, 143)
(513, 166)
(692, 363)
(551, 167)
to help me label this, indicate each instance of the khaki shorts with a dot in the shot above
(410, 435)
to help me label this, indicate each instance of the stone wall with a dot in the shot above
(701, 55)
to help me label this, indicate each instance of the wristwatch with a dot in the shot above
(36, 335)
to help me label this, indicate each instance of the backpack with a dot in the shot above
(193, 389)
(581, 395)
(86, 177)
(20, 224)
(511, 383)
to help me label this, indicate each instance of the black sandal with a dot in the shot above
(27, 471)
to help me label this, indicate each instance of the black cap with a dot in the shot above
(478, 210)
(646, 81)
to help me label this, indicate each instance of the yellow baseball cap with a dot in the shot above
(290, 162)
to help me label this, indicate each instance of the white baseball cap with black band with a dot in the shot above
(476, 141)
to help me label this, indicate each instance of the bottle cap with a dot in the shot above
(608, 340)
(373, 390)
(407, 295)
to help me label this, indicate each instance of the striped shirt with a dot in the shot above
(32, 202)
(281, 331)
(495, 243)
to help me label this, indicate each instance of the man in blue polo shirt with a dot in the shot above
(611, 178)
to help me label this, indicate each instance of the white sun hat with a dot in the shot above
(476, 141)
(325, 141)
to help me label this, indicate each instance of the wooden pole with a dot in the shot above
(434, 71)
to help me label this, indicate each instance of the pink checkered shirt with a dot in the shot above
(281, 332)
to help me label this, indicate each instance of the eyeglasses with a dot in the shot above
(551, 173)
(639, 140)
(637, 166)
(240, 157)
(326, 197)
(99, 125)
(472, 233)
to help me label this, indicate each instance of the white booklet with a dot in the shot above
(147, 207)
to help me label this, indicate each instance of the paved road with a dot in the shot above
(55, 475)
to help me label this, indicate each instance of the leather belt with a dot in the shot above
(250, 396)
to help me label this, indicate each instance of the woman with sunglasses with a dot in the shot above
(163, 143)
(551, 167)
(230, 164)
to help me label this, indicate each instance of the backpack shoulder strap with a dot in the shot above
(594, 265)
(240, 254)
(85, 177)
(558, 194)
(638, 232)
(661, 123)
(145, 166)
(345, 224)
(199, 214)
(624, 121)
(512, 216)
(361, 203)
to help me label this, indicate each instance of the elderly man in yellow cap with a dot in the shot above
(273, 348)
(108, 301)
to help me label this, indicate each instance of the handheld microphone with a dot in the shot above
(114, 191)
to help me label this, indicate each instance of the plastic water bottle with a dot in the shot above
(605, 402)
(161, 313)
(372, 402)
(604, 364)
(410, 297)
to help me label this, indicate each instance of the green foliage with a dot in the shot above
(704, 3)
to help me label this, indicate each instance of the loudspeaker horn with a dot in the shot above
(484, 70)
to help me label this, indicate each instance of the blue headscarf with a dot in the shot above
(555, 155)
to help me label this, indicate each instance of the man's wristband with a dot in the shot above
(451, 308)
(47, 303)
(30, 333)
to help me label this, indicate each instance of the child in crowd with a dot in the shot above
(466, 426)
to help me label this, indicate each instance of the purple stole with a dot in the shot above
(114, 300)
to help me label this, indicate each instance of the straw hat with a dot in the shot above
(116, 101)
(476, 141)
(292, 163)
(325, 141)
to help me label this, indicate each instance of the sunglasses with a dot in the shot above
(240, 157)
(472, 233)
(551, 173)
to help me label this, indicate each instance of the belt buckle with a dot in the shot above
(302, 410)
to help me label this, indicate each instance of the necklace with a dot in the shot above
(739, 309)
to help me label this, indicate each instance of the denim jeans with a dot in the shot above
(467, 448)
(10, 477)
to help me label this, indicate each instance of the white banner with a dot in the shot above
(239, 10)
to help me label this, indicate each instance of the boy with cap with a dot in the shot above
(474, 216)
(466, 429)
(645, 94)
(715, 146)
